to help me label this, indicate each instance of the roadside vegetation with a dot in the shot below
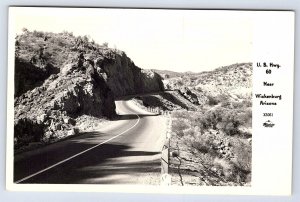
(211, 142)
(219, 137)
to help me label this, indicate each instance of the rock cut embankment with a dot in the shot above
(60, 77)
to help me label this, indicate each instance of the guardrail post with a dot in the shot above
(165, 156)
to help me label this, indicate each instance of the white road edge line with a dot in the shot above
(67, 159)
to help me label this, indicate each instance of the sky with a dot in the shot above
(176, 40)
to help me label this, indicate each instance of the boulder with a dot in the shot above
(69, 121)
(67, 69)
(73, 131)
(42, 118)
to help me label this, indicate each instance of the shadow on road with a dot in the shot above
(102, 165)
(132, 116)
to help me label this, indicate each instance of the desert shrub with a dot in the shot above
(215, 135)
(201, 146)
(190, 133)
(61, 43)
(207, 159)
(204, 132)
(230, 128)
(237, 105)
(192, 122)
(247, 103)
(181, 114)
(211, 118)
(230, 123)
(179, 83)
(38, 34)
(226, 168)
(86, 39)
(179, 125)
(70, 34)
(53, 46)
(105, 44)
(25, 30)
(226, 104)
(223, 163)
(220, 118)
(208, 120)
(245, 117)
(222, 97)
(205, 143)
(212, 100)
(243, 157)
(195, 118)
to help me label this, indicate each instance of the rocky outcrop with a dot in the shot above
(52, 108)
(60, 78)
(189, 95)
(124, 78)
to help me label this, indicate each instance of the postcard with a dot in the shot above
(150, 100)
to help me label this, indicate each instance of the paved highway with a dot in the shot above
(126, 151)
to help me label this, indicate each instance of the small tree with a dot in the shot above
(25, 30)
(105, 44)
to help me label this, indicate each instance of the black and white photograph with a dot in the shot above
(146, 97)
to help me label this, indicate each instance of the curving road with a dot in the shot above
(125, 151)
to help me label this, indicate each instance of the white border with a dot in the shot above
(261, 188)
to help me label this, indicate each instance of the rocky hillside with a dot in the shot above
(233, 83)
(60, 78)
(124, 78)
(48, 53)
(235, 75)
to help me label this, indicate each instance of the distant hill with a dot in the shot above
(167, 73)
(233, 80)
(226, 83)
(237, 75)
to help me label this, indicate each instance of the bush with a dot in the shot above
(216, 135)
(179, 125)
(245, 118)
(237, 105)
(243, 156)
(226, 104)
(205, 143)
(247, 103)
(226, 167)
(38, 34)
(183, 114)
(212, 100)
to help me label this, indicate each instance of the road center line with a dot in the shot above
(67, 159)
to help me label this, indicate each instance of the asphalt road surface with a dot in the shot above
(126, 151)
